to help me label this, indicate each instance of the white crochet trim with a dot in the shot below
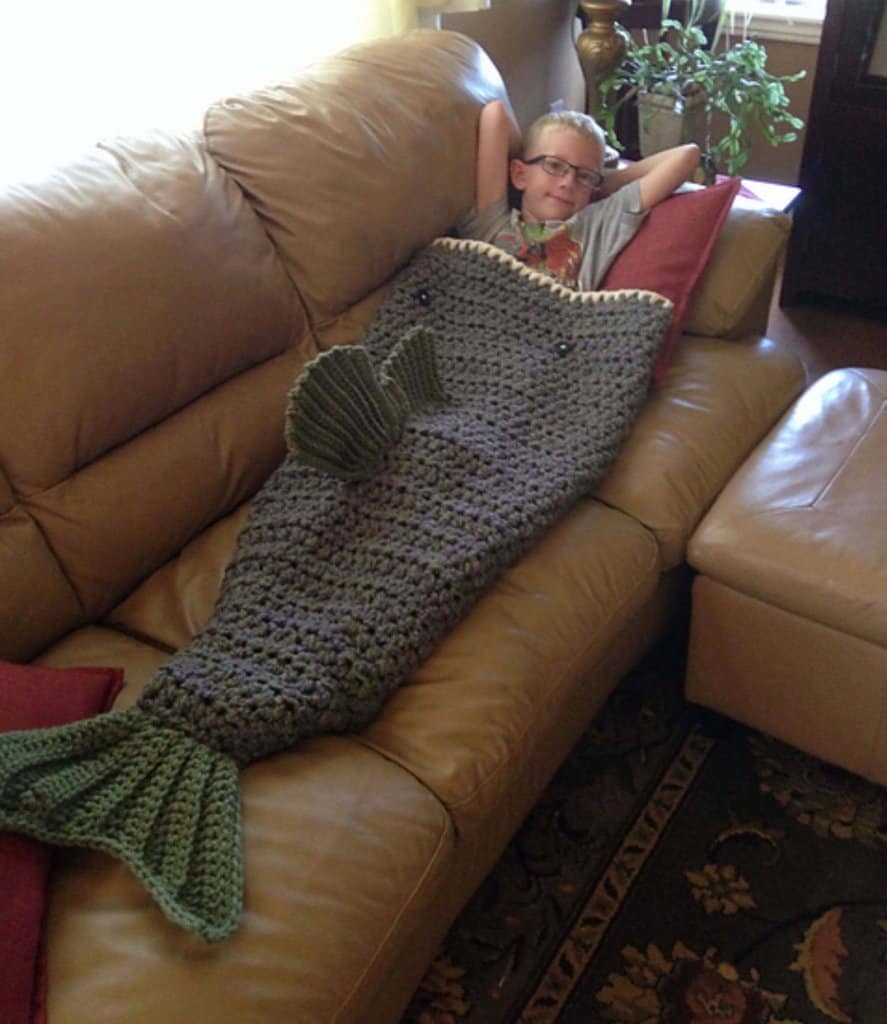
(585, 297)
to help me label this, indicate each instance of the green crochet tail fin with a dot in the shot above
(165, 804)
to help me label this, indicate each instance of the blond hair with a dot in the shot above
(573, 120)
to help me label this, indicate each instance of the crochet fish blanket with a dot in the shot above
(482, 402)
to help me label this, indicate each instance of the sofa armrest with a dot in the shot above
(734, 295)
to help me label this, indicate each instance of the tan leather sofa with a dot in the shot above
(159, 298)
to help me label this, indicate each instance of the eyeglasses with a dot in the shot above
(558, 168)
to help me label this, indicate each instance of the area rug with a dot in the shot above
(679, 869)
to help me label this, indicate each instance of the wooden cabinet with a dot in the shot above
(838, 247)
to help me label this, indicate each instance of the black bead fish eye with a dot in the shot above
(422, 297)
(563, 348)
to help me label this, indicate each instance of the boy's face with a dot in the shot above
(546, 197)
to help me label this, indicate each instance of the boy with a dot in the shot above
(574, 217)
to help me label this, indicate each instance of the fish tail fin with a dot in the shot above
(165, 804)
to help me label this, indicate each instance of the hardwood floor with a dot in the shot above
(827, 338)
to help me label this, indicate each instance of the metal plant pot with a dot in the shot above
(662, 126)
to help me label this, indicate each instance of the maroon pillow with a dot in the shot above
(670, 252)
(33, 697)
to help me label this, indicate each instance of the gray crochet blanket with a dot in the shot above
(483, 401)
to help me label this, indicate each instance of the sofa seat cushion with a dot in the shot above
(97, 646)
(491, 700)
(719, 400)
(486, 685)
(178, 599)
(344, 854)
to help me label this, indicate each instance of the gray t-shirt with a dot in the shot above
(577, 252)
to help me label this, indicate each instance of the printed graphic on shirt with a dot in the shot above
(552, 250)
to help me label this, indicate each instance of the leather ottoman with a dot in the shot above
(789, 623)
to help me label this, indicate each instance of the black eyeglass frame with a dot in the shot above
(597, 176)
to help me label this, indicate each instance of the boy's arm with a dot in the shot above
(659, 174)
(498, 138)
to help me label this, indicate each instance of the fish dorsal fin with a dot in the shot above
(409, 372)
(339, 419)
(342, 419)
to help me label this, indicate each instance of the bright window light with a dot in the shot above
(812, 10)
(73, 74)
(793, 21)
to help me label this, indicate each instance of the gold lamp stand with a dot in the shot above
(601, 46)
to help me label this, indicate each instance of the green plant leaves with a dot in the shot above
(736, 81)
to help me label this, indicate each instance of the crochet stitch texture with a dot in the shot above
(483, 401)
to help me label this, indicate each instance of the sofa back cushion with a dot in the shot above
(733, 298)
(360, 160)
(139, 292)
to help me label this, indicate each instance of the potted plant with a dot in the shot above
(680, 83)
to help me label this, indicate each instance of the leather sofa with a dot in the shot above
(159, 297)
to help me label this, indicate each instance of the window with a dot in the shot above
(806, 9)
(75, 73)
(796, 21)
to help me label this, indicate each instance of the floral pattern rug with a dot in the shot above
(679, 869)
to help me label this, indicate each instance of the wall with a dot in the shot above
(531, 42)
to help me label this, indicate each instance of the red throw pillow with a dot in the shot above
(669, 254)
(33, 697)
